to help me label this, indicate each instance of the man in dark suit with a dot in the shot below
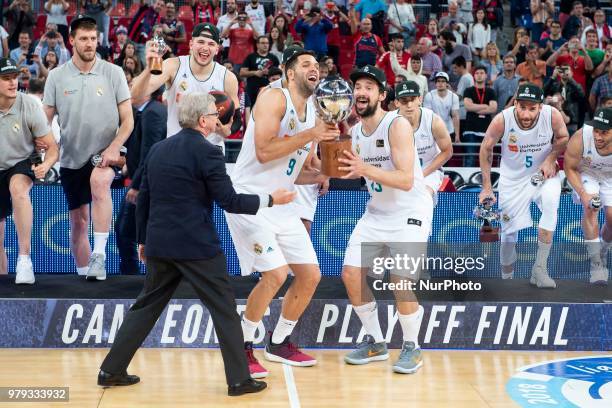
(150, 117)
(182, 177)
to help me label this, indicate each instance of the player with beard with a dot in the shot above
(533, 136)
(397, 218)
(278, 141)
(196, 72)
(92, 101)
(588, 166)
(433, 142)
(307, 194)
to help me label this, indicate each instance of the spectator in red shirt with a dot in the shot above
(141, 26)
(332, 13)
(242, 39)
(569, 55)
(397, 47)
(203, 12)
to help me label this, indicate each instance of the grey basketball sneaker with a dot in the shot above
(367, 351)
(541, 279)
(599, 274)
(97, 270)
(410, 359)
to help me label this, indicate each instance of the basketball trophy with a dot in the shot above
(486, 213)
(537, 179)
(595, 202)
(333, 99)
(156, 64)
(96, 159)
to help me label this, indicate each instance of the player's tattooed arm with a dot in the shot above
(493, 135)
(571, 163)
(445, 144)
(561, 136)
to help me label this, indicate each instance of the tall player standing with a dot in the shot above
(533, 136)
(588, 167)
(400, 210)
(278, 141)
(305, 202)
(196, 72)
(433, 142)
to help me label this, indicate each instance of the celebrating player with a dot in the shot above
(588, 166)
(196, 72)
(533, 135)
(433, 142)
(400, 211)
(277, 143)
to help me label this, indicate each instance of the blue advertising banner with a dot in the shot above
(337, 213)
(326, 323)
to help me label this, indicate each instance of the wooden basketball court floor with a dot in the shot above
(194, 378)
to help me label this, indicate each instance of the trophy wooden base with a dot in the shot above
(331, 152)
(156, 67)
(489, 234)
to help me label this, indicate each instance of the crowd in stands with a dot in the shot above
(454, 54)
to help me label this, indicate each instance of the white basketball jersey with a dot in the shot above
(427, 148)
(251, 176)
(185, 83)
(592, 163)
(523, 151)
(375, 149)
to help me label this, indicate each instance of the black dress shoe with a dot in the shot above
(246, 387)
(108, 380)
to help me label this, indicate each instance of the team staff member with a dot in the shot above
(92, 99)
(21, 120)
(182, 177)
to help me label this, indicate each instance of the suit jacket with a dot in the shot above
(149, 128)
(182, 177)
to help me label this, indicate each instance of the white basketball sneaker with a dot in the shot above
(25, 272)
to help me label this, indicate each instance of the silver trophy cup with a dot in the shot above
(334, 100)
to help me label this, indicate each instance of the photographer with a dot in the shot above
(314, 31)
(19, 18)
(574, 102)
(568, 54)
(52, 41)
(24, 55)
(333, 14)
(242, 35)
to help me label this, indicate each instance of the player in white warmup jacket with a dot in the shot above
(533, 136)
(588, 167)
(397, 218)
(278, 141)
(433, 142)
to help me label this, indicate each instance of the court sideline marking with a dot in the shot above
(294, 399)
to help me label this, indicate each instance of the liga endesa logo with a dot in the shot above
(575, 382)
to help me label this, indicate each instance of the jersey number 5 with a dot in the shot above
(528, 161)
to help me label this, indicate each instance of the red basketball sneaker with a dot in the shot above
(287, 353)
(256, 369)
